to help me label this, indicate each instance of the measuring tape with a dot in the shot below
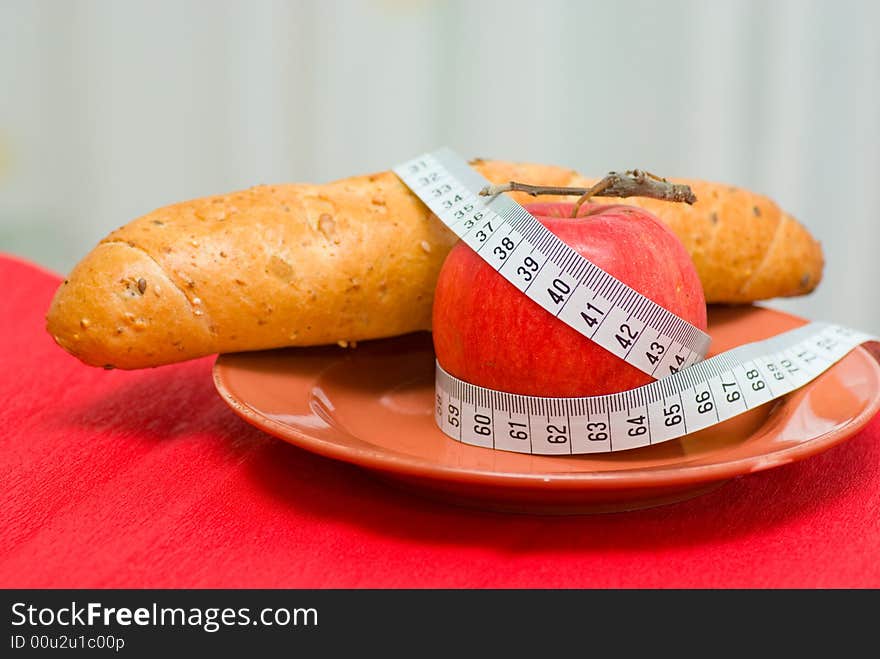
(691, 394)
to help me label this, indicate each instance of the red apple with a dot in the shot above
(488, 333)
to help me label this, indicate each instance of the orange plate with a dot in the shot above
(373, 406)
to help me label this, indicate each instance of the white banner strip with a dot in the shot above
(697, 397)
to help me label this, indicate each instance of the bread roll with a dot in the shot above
(303, 265)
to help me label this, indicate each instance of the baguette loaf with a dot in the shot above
(303, 265)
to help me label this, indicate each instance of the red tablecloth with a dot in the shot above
(146, 479)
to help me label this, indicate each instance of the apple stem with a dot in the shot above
(632, 183)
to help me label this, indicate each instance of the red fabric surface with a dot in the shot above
(147, 479)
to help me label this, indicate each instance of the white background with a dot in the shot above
(109, 109)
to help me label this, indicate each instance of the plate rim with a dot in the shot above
(402, 465)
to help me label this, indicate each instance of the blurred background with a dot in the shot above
(111, 108)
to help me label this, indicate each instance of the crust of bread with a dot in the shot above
(356, 259)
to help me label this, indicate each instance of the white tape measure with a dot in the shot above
(691, 395)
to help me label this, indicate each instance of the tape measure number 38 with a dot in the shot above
(690, 394)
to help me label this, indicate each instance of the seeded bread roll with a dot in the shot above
(303, 265)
